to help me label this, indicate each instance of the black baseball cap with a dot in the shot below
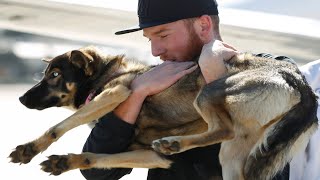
(156, 12)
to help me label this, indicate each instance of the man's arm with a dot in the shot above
(110, 135)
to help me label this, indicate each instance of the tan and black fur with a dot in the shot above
(262, 112)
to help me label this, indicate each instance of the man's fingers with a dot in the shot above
(229, 54)
(217, 45)
(188, 65)
(190, 70)
(180, 66)
(187, 71)
(228, 46)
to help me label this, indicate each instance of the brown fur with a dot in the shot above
(247, 110)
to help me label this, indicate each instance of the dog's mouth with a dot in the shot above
(38, 103)
(90, 97)
(92, 94)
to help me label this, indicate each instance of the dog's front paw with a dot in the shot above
(57, 164)
(167, 145)
(23, 153)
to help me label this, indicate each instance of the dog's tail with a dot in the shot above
(286, 137)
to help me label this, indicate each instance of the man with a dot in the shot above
(178, 30)
(306, 164)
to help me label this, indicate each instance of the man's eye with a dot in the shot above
(163, 36)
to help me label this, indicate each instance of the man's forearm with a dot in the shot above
(109, 136)
(129, 109)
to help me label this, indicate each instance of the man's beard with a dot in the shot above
(192, 49)
(194, 45)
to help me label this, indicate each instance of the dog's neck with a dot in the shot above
(94, 92)
(107, 72)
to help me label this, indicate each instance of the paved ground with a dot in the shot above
(298, 8)
(301, 48)
(97, 25)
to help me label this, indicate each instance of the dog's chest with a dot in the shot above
(163, 112)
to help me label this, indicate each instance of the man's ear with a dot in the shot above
(204, 28)
(83, 61)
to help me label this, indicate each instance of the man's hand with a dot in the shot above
(152, 82)
(161, 77)
(212, 59)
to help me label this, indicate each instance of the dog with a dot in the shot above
(262, 112)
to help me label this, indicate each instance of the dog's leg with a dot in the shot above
(269, 158)
(286, 136)
(210, 107)
(134, 159)
(105, 102)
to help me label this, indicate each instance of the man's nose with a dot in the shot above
(156, 49)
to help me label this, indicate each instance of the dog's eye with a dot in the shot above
(55, 74)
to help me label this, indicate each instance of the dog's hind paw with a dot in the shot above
(23, 153)
(57, 164)
(167, 146)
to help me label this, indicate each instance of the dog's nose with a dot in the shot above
(23, 99)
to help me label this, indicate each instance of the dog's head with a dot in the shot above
(65, 77)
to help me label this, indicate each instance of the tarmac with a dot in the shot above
(95, 25)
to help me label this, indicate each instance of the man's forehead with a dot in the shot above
(155, 30)
(151, 31)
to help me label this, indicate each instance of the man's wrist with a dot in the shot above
(139, 94)
(215, 73)
(129, 110)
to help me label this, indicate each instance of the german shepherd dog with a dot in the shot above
(262, 112)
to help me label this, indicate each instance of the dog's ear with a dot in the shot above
(46, 60)
(116, 60)
(82, 60)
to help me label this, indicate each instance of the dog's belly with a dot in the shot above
(145, 136)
